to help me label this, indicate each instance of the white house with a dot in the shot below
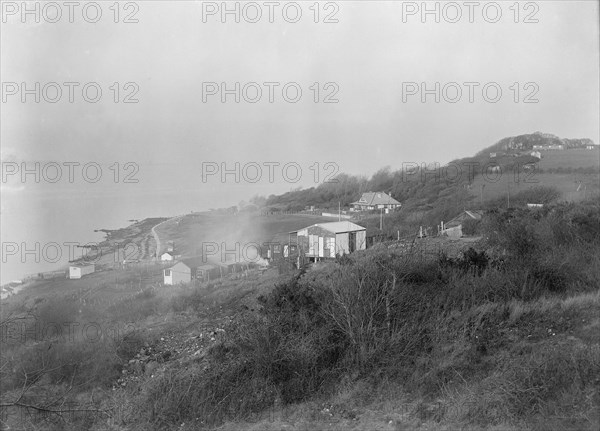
(166, 257)
(375, 200)
(77, 271)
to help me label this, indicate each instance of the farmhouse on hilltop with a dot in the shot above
(77, 271)
(375, 200)
(326, 240)
(188, 270)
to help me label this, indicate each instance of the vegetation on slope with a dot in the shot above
(482, 340)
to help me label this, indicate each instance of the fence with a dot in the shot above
(333, 215)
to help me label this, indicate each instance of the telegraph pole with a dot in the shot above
(482, 187)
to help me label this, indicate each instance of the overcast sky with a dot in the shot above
(370, 53)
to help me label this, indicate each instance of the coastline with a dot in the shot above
(118, 245)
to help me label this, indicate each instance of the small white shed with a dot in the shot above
(79, 270)
(166, 257)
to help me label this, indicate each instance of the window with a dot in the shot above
(330, 245)
(167, 272)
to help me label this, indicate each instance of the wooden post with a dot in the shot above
(387, 306)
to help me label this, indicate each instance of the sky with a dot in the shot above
(370, 58)
(368, 55)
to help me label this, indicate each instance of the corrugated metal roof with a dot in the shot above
(337, 227)
(195, 262)
(473, 214)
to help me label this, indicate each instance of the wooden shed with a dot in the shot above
(327, 240)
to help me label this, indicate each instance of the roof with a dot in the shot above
(81, 265)
(465, 215)
(283, 238)
(376, 198)
(337, 227)
(195, 262)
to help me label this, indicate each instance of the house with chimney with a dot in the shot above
(375, 201)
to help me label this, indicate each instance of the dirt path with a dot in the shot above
(155, 234)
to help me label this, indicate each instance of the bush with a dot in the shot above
(82, 364)
(432, 325)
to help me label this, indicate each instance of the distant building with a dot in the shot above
(454, 227)
(536, 154)
(512, 145)
(79, 270)
(188, 270)
(556, 147)
(282, 245)
(535, 205)
(167, 256)
(375, 200)
(590, 147)
(327, 240)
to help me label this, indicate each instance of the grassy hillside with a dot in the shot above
(568, 185)
(553, 160)
(527, 141)
(192, 233)
(434, 194)
(409, 335)
(502, 337)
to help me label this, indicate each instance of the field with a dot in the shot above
(577, 158)
(195, 232)
(572, 186)
(574, 173)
